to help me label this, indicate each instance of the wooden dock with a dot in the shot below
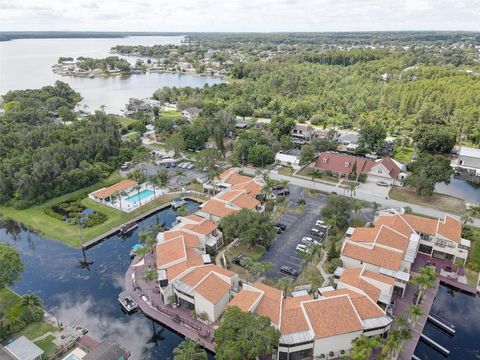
(458, 285)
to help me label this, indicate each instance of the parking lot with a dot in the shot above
(282, 251)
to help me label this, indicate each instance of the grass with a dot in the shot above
(254, 252)
(124, 121)
(472, 277)
(35, 218)
(475, 239)
(7, 299)
(404, 154)
(37, 329)
(437, 201)
(329, 180)
(47, 345)
(285, 170)
(298, 209)
(170, 115)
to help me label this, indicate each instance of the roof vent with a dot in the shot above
(206, 259)
(346, 164)
(325, 160)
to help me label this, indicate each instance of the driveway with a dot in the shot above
(371, 187)
(282, 251)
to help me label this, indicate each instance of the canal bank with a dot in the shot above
(84, 291)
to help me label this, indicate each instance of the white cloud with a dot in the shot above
(241, 15)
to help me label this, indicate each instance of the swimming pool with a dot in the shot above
(142, 195)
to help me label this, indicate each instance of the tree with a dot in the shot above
(281, 125)
(307, 154)
(338, 207)
(208, 159)
(434, 138)
(310, 253)
(363, 346)
(314, 173)
(249, 226)
(373, 135)
(11, 266)
(176, 143)
(259, 268)
(332, 252)
(392, 345)
(149, 275)
(424, 281)
(427, 171)
(414, 313)
(351, 187)
(261, 155)
(32, 304)
(244, 335)
(189, 350)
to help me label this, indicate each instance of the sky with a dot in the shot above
(239, 15)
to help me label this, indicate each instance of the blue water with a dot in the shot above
(463, 311)
(142, 195)
(84, 291)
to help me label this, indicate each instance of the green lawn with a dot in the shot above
(310, 274)
(404, 155)
(170, 115)
(52, 228)
(124, 121)
(35, 330)
(7, 299)
(47, 345)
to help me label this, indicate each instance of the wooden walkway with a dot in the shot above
(458, 285)
(401, 308)
(177, 319)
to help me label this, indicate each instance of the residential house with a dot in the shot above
(347, 139)
(146, 104)
(301, 133)
(191, 113)
(323, 328)
(339, 164)
(206, 230)
(469, 159)
(289, 158)
(106, 195)
(21, 349)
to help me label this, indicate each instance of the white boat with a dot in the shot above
(178, 203)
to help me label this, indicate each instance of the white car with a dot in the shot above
(180, 165)
(301, 248)
(319, 223)
(307, 240)
(190, 167)
(186, 165)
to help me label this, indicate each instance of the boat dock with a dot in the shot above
(458, 285)
(434, 344)
(442, 323)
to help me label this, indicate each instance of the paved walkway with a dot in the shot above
(326, 277)
(388, 203)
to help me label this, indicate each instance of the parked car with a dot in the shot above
(180, 164)
(278, 187)
(307, 240)
(318, 232)
(301, 248)
(277, 230)
(190, 167)
(187, 164)
(281, 226)
(282, 192)
(167, 165)
(319, 223)
(173, 164)
(288, 270)
(126, 166)
(383, 183)
(238, 259)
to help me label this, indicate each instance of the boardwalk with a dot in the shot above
(401, 308)
(177, 319)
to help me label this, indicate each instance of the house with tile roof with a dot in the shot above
(324, 327)
(391, 246)
(301, 133)
(342, 165)
(205, 229)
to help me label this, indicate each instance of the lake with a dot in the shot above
(88, 295)
(26, 64)
(460, 188)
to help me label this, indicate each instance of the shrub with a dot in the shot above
(50, 212)
(334, 264)
(408, 210)
(329, 173)
(301, 202)
(94, 218)
(362, 177)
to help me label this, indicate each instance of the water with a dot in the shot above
(463, 311)
(142, 195)
(87, 294)
(465, 190)
(26, 64)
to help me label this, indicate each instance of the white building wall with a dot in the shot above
(203, 305)
(220, 306)
(348, 262)
(335, 344)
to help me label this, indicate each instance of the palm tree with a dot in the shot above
(311, 251)
(376, 208)
(458, 263)
(392, 345)
(414, 313)
(424, 281)
(352, 187)
(315, 173)
(189, 350)
(286, 285)
(363, 346)
(469, 215)
(357, 206)
(180, 174)
(31, 303)
(149, 275)
(137, 188)
(247, 262)
(115, 196)
(259, 268)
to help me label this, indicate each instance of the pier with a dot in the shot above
(434, 344)
(442, 323)
(458, 285)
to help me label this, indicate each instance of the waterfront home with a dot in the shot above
(469, 159)
(146, 104)
(106, 195)
(390, 247)
(21, 349)
(323, 327)
(90, 349)
(342, 165)
(191, 113)
(289, 158)
(206, 230)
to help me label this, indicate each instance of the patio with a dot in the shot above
(178, 319)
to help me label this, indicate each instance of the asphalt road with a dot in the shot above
(282, 251)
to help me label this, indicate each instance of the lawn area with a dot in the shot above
(255, 253)
(170, 115)
(7, 299)
(437, 201)
(329, 180)
(475, 239)
(47, 345)
(285, 170)
(404, 154)
(52, 228)
(35, 330)
(124, 121)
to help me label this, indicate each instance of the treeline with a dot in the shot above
(41, 158)
(105, 64)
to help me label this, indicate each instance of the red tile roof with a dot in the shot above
(375, 255)
(213, 288)
(342, 163)
(109, 191)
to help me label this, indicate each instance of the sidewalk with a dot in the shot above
(387, 203)
(326, 277)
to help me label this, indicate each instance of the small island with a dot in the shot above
(91, 67)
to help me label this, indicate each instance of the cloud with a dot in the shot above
(241, 15)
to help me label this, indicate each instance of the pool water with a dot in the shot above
(142, 195)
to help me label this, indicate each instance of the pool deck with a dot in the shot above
(178, 319)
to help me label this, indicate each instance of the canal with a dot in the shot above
(85, 292)
(463, 311)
